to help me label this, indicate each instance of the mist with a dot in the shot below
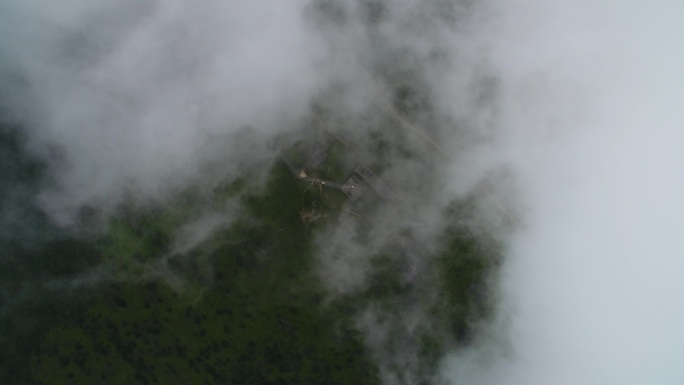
(589, 291)
(560, 119)
(127, 98)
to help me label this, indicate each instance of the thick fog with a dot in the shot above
(126, 98)
(575, 103)
(591, 288)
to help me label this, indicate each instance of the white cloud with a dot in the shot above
(591, 288)
(134, 96)
(585, 110)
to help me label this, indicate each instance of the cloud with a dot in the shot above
(590, 290)
(577, 102)
(129, 99)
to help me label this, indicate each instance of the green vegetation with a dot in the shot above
(258, 321)
(464, 271)
(243, 307)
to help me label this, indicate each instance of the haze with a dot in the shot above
(578, 103)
